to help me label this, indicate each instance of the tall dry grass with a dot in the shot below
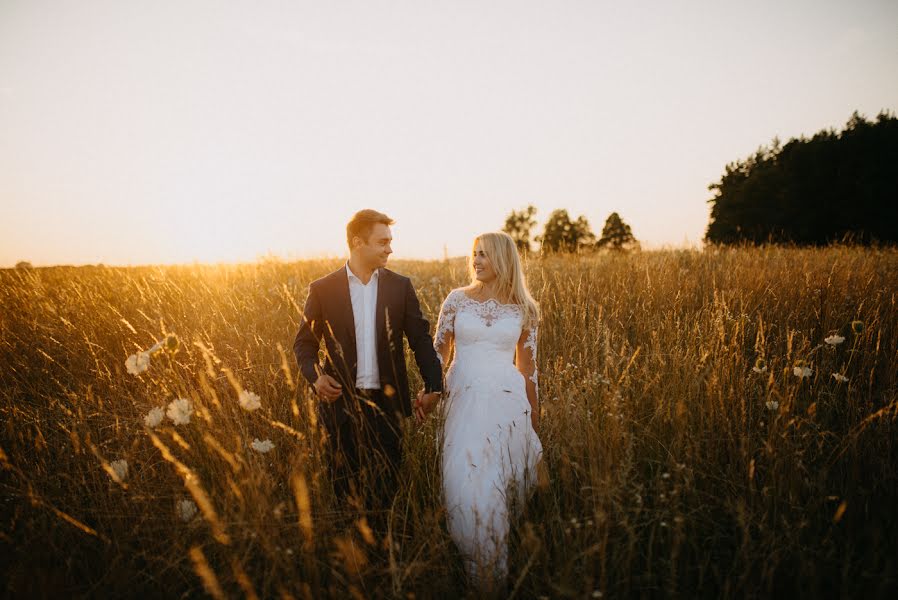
(670, 474)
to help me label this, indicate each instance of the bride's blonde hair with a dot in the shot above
(511, 286)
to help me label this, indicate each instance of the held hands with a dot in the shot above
(424, 404)
(328, 388)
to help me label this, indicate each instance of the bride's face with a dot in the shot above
(483, 268)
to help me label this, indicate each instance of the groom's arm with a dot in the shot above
(417, 330)
(308, 339)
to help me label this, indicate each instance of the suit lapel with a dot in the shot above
(380, 312)
(348, 333)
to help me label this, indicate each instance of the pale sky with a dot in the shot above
(174, 131)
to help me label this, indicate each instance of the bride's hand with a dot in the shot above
(424, 404)
(419, 408)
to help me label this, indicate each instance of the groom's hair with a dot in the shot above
(363, 222)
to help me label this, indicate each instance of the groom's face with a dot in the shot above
(374, 251)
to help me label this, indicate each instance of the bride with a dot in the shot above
(490, 445)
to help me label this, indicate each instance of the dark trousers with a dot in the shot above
(365, 451)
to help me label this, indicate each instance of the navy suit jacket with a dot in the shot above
(328, 317)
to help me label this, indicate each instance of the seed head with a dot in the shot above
(171, 342)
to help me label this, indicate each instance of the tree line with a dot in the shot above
(833, 187)
(563, 234)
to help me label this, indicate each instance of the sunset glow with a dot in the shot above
(159, 133)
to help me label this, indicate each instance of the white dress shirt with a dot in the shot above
(364, 305)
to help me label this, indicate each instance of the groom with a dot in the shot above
(361, 312)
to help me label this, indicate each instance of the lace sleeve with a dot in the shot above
(445, 335)
(526, 361)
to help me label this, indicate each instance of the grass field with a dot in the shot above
(696, 440)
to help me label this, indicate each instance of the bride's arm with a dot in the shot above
(444, 338)
(444, 352)
(525, 361)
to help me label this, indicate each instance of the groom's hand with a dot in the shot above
(424, 404)
(328, 388)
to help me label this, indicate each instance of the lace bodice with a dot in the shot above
(485, 333)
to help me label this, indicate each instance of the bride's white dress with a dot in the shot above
(490, 450)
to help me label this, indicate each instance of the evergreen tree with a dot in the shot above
(561, 234)
(616, 234)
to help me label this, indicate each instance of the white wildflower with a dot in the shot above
(120, 467)
(262, 446)
(834, 340)
(802, 371)
(180, 410)
(138, 363)
(839, 377)
(249, 401)
(154, 417)
(186, 510)
(772, 405)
